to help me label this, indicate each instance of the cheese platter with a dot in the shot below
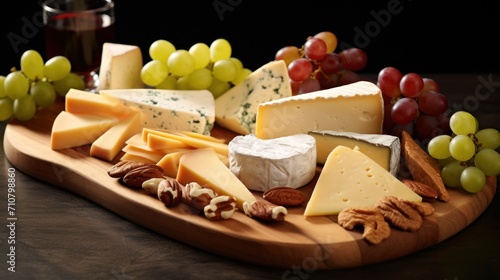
(317, 241)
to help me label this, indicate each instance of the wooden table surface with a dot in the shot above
(60, 235)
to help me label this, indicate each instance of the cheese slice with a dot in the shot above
(84, 102)
(151, 155)
(263, 164)
(189, 110)
(121, 67)
(204, 167)
(382, 148)
(356, 107)
(108, 145)
(236, 109)
(351, 179)
(157, 142)
(74, 130)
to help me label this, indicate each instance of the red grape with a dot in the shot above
(388, 123)
(430, 84)
(388, 81)
(330, 63)
(353, 59)
(348, 77)
(295, 87)
(330, 40)
(300, 69)
(309, 85)
(315, 48)
(427, 126)
(432, 103)
(326, 81)
(404, 111)
(288, 54)
(411, 85)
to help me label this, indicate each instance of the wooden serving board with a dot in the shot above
(298, 241)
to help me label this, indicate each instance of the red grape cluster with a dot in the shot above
(412, 103)
(316, 65)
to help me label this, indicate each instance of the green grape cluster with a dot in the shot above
(467, 156)
(35, 85)
(200, 67)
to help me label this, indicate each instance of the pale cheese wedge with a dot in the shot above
(351, 179)
(121, 66)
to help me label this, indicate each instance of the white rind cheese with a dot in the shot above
(382, 148)
(356, 107)
(120, 67)
(186, 110)
(262, 164)
(236, 109)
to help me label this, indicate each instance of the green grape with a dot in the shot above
(180, 63)
(462, 148)
(242, 75)
(72, 80)
(439, 147)
(24, 108)
(2, 90)
(472, 179)
(201, 55)
(463, 123)
(161, 50)
(170, 82)
(57, 68)
(32, 65)
(43, 93)
(488, 161)
(220, 49)
(445, 161)
(238, 63)
(224, 70)
(450, 174)
(218, 87)
(183, 83)
(200, 79)
(6, 108)
(16, 85)
(489, 138)
(154, 72)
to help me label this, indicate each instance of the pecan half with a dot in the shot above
(170, 192)
(264, 210)
(403, 214)
(123, 167)
(220, 208)
(197, 196)
(424, 190)
(285, 196)
(375, 228)
(135, 177)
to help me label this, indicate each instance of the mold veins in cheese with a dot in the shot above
(382, 148)
(186, 110)
(120, 67)
(356, 107)
(351, 179)
(236, 109)
(263, 164)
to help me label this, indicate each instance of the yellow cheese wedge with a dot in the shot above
(351, 179)
(74, 130)
(108, 145)
(149, 154)
(121, 66)
(204, 167)
(137, 158)
(157, 142)
(83, 102)
(170, 163)
(356, 107)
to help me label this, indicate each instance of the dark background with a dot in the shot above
(415, 36)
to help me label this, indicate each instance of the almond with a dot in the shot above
(424, 190)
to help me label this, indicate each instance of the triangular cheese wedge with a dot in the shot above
(74, 130)
(351, 179)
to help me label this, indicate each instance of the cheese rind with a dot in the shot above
(351, 179)
(356, 107)
(189, 110)
(120, 67)
(264, 164)
(236, 109)
(383, 148)
(203, 166)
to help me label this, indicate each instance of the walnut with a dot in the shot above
(220, 208)
(197, 196)
(169, 192)
(376, 229)
(403, 214)
(264, 210)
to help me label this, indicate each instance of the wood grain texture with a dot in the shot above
(312, 241)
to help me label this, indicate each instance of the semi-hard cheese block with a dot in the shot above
(84, 102)
(120, 67)
(236, 109)
(108, 145)
(204, 167)
(264, 164)
(74, 130)
(351, 179)
(382, 148)
(356, 107)
(190, 110)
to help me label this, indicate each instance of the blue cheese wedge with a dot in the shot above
(186, 110)
(382, 148)
(263, 164)
(236, 109)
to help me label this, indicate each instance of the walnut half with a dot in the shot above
(375, 228)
